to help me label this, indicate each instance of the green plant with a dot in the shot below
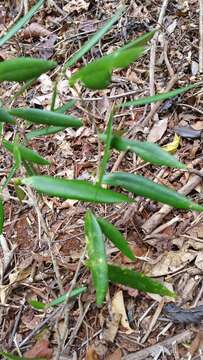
(96, 228)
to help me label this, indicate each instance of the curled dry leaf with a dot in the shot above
(110, 332)
(170, 262)
(158, 130)
(40, 349)
(118, 308)
(35, 30)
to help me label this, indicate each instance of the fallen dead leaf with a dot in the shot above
(118, 308)
(76, 5)
(110, 332)
(34, 31)
(115, 356)
(170, 262)
(199, 260)
(91, 354)
(157, 130)
(40, 349)
(172, 146)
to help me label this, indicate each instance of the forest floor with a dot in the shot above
(167, 242)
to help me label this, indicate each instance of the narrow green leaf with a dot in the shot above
(52, 129)
(23, 21)
(26, 153)
(149, 152)
(141, 40)
(113, 234)
(69, 105)
(95, 38)
(162, 96)
(16, 153)
(44, 132)
(10, 356)
(1, 215)
(74, 189)
(137, 280)
(38, 305)
(139, 185)
(30, 170)
(97, 256)
(105, 158)
(62, 298)
(103, 67)
(38, 116)
(5, 117)
(24, 68)
(19, 192)
(10, 176)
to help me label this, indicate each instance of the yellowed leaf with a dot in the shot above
(118, 308)
(173, 146)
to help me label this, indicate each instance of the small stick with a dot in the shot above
(153, 50)
(168, 343)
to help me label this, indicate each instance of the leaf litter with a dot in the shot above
(54, 37)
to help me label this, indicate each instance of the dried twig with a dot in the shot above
(168, 343)
(153, 50)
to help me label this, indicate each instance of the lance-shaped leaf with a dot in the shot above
(26, 153)
(5, 117)
(103, 68)
(74, 189)
(113, 234)
(149, 152)
(97, 256)
(20, 23)
(104, 161)
(38, 305)
(139, 185)
(38, 116)
(10, 356)
(137, 280)
(158, 97)
(51, 129)
(95, 38)
(24, 68)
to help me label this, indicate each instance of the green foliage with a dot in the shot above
(103, 68)
(24, 68)
(5, 117)
(147, 151)
(97, 262)
(23, 21)
(10, 356)
(95, 38)
(26, 153)
(139, 185)
(74, 189)
(113, 234)
(137, 280)
(38, 305)
(38, 116)
(96, 75)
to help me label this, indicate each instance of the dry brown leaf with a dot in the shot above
(91, 354)
(34, 31)
(197, 343)
(170, 262)
(158, 130)
(40, 349)
(115, 356)
(110, 333)
(118, 308)
(76, 5)
(199, 260)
